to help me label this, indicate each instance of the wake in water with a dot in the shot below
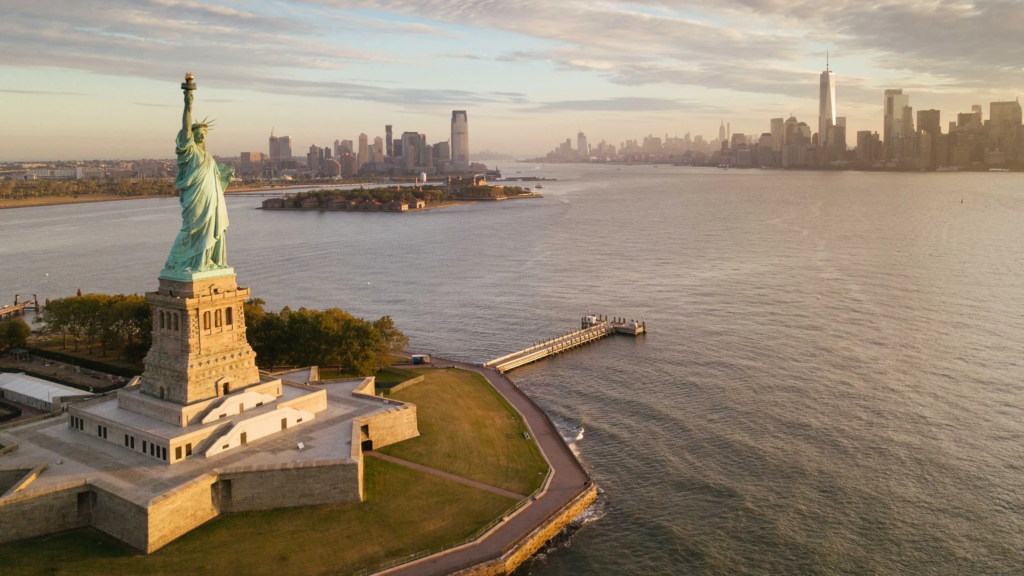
(571, 434)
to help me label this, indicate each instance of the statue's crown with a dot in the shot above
(206, 123)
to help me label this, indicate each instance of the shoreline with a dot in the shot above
(294, 186)
(318, 209)
(63, 200)
(569, 491)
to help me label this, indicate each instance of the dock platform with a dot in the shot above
(592, 328)
(19, 307)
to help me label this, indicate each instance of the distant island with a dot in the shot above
(400, 199)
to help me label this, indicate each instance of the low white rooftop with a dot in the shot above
(36, 388)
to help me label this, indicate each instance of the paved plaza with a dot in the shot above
(72, 455)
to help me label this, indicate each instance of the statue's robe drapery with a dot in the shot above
(201, 244)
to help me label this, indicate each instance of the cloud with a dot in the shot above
(465, 55)
(735, 46)
(937, 46)
(40, 92)
(223, 46)
(624, 104)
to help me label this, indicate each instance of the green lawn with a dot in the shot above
(385, 377)
(390, 376)
(468, 429)
(405, 512)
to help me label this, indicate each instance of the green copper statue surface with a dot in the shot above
(200, 248)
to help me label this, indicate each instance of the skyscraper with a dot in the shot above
(460, 140)
(826, 105)
(284, 147)
(364, 149)
(929, 121)
(390, 142)
(581, 145)
(442, 152)
(410, 149)
(280, 147)
(1000, 112)
(313, 158)
(778, 129)
(721, 133)
(423, 155)
(1005, 131)
(378, 150)
(895, 102)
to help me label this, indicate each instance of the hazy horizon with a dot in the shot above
(100, 80)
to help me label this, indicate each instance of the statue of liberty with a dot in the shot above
(201, 243)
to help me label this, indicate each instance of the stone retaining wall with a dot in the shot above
(404, 385)
(181, 510)
(529, 545)
(148, 526)
(541, 535)
(27, 514)
(290, 485)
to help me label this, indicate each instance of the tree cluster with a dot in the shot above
(488, 192)
(12, 190)
(429, 194)
(120, 323)
(330, 337)
(14, 333)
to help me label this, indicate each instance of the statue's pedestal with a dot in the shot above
(199, 347)
(196, 276)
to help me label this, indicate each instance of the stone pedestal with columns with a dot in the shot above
(199, 347)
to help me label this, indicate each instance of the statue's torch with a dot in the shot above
(188, 84)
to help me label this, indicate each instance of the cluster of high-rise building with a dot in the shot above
(906, 142)
(970, 141)
(406, 154)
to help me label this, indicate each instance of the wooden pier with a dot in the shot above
(591, 328)
(19, 307)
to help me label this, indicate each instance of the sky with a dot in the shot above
(100, 79)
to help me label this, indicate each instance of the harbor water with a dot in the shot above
(831, 382)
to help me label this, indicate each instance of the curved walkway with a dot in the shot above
(566, 482)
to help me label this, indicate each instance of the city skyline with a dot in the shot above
(348, 68)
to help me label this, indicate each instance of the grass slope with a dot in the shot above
(405, 512)
(468, 429)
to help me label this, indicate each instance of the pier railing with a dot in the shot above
(551, 347)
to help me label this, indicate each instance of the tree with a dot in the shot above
(307, 337)
(14, 333)
(392, 339)
(267, 334)
(56, 318)
(94, 313)
(123, 323)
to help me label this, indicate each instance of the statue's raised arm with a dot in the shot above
(200, 248)
(188, 86)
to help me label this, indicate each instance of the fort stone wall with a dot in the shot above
(250, 488)
(31, 513)
(181, 510)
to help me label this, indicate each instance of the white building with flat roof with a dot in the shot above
(36, 393)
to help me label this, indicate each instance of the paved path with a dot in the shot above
(453, 477)
(567, 481)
